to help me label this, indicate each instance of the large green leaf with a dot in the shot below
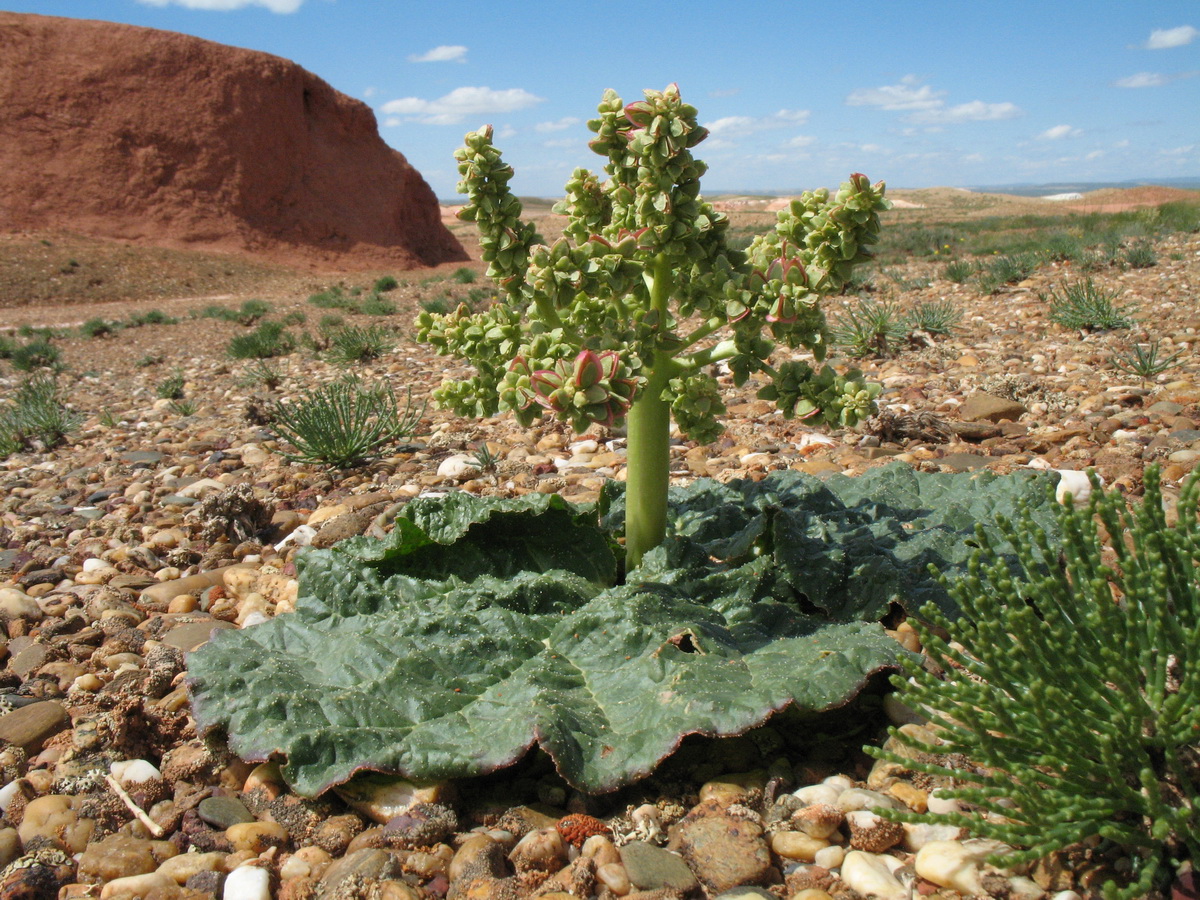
(405, 655)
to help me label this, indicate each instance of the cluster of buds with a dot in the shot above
(595, 388)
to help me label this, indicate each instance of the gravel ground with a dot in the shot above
(125, 547)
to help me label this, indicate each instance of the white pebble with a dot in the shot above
(955, 865)
(830, 857)
(134, 771)
(93, 564)
(1075, 483)
(458, 466)
(254, 618)
(917, 835)
(817, 793)
(861, 798)
(301, 536)
(248, 883)
(872, 875)
(6, 795)
(942, 805)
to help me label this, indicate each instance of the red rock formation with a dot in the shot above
(160, 138)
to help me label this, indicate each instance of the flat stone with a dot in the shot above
(990, 408)
(371, 864)
(724, 850)
(191, 635)
(962, 462)
(31, 726)
(148, 457)
(163, 592)
(651, 868)
(223, 812)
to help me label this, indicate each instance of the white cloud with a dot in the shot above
(1142, 80)
(275, 6)
(800, 140)
(1166, 38)
(1179, 151)
(738, 126)
(557, 143)
(444, 53)
(927, 106)
(1095, 154)
(908, 94)
(872, 148)
(1058, 132)
(561, 125)
(973, 158)
(975, 111)
(505, 131)
(461, 102)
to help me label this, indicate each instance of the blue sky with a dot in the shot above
(797, 94)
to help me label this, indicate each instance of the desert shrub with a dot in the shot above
(861, 281)
(1007, 269)
(333, 298)
(1062, 247)
(152, 317)
(437, 306)
(1140, 255)
(39, 413)
(344, 422)
(1144, 360)
(870, 328)
(295, 317)
(261, 373)
(385, 283)
(352, 344)
(267, 340)
(1179, 216)
(375, 305)
(38, 353)
(1082, 305)
(958, 271)
(171, 387)
(1073, 689)
(464, 275)
(7, 347)
(150, 359)
(183, 407)
(933, 317)
(97, 327)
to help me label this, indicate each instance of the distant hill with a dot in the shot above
(1084, 187)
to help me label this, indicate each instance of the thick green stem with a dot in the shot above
(647, 474)
(648, 453)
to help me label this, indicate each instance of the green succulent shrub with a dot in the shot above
(938, 317)
(334, 298)
(96, 327)
(344, 422)
(958, 271)
(464, 275)
(37, 412)
(1073, 689)
(622, 318)
(870, 328)
(261, 373)
(151, 317)
(385, 283)
(171, 387)
(375, 305)
(267, 340)
(1141, 255)
(36, 354)
(1145, 360)
(1083, 306)
(354, 344)
(1005, 270)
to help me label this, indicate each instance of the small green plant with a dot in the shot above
(150, 359)
(870, 328)
(1062, 246)
(38, 413)
(353, 344)
(1084, 306)
(486, 459)
(295, 317)
(267, 340)
(934, 317)
(171, 387)
(1073, 689)
(183, 407)
(463, 275)
(375, 305)
(438, 306)
(903, 282)
(344, 422)
(385, 283)
(7, 347)
(261, 372)
(1007, 269)
(94, 328)
(37, 354)
(251, 311)
(1144, 361)
(333, 298)
(1140, 255)
(152, 317)
(958, 271)
(108, 418)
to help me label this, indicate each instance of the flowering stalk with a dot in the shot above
(600, 327)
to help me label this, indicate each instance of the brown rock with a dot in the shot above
(990, 408)
(143, 135)
(726, 849)
(31, 726)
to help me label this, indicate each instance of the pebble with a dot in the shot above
(873, 876)
(29, 727)
(651, 868)
(223, 812)
(724, 850)
(247, 883)
(955, 865)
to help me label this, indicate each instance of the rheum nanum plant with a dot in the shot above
(620, 320)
